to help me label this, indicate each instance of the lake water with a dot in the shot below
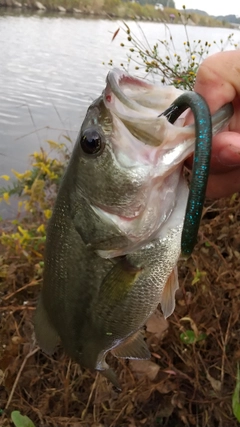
(51, 69)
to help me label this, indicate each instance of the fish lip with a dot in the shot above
(117, 78)
(121, 77)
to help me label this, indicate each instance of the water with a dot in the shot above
(51, 69)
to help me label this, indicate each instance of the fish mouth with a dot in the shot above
(121, 85)
(136, 105)
(125, 94)
(149, 150)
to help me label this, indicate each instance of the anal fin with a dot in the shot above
(168, 294)
(103, 368)
(111, 376)
(133, 348)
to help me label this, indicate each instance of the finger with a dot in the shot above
(218, 81)
(225, 152)
(218, 78)
(223, 185)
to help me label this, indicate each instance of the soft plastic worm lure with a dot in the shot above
(201, 163)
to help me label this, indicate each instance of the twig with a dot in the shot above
(19, 374)
(66, 388)
(224, 343)
(90, 396)
(32, 283)
(33, 122)
(118, 415)
(42, 128)
(204, 239)
(13, 308)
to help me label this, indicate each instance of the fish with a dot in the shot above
(114, 237)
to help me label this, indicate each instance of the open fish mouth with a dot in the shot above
(122, 85)
(126, 95)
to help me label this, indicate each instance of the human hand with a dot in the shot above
(218, 81)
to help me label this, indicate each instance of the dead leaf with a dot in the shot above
(179, 399)
(216, 385)
(115, 34)
(144, 368)
(157, 324)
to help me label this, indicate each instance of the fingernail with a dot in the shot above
(230, 156)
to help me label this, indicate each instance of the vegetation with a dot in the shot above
(193, 378)
(124, 9)
(165, 3)
(171, 67)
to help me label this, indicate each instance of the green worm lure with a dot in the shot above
(201, 163)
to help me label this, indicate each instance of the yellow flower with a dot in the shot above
(23, 175)
(23, 232)
(17, 174)
(47, 213)
(6, 197)
(55, 145)
(35, 155)
(26, 190)
(41, 228)
(52, 176)
(41, 156)
(28, 207)
(6, 177)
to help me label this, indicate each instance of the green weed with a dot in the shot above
(21, 420)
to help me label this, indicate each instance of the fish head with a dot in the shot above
(122, 165)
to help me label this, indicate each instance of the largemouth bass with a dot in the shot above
(114, 238)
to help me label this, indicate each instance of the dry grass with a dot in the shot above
(183, 385)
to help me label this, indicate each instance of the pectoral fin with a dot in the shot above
(168, 294)
(118, 283)
(133, 348)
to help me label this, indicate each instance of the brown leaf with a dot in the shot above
(157, 324)
(144, 368)
(115, 34)
(216, 385)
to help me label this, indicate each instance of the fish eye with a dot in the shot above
(91, 142)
